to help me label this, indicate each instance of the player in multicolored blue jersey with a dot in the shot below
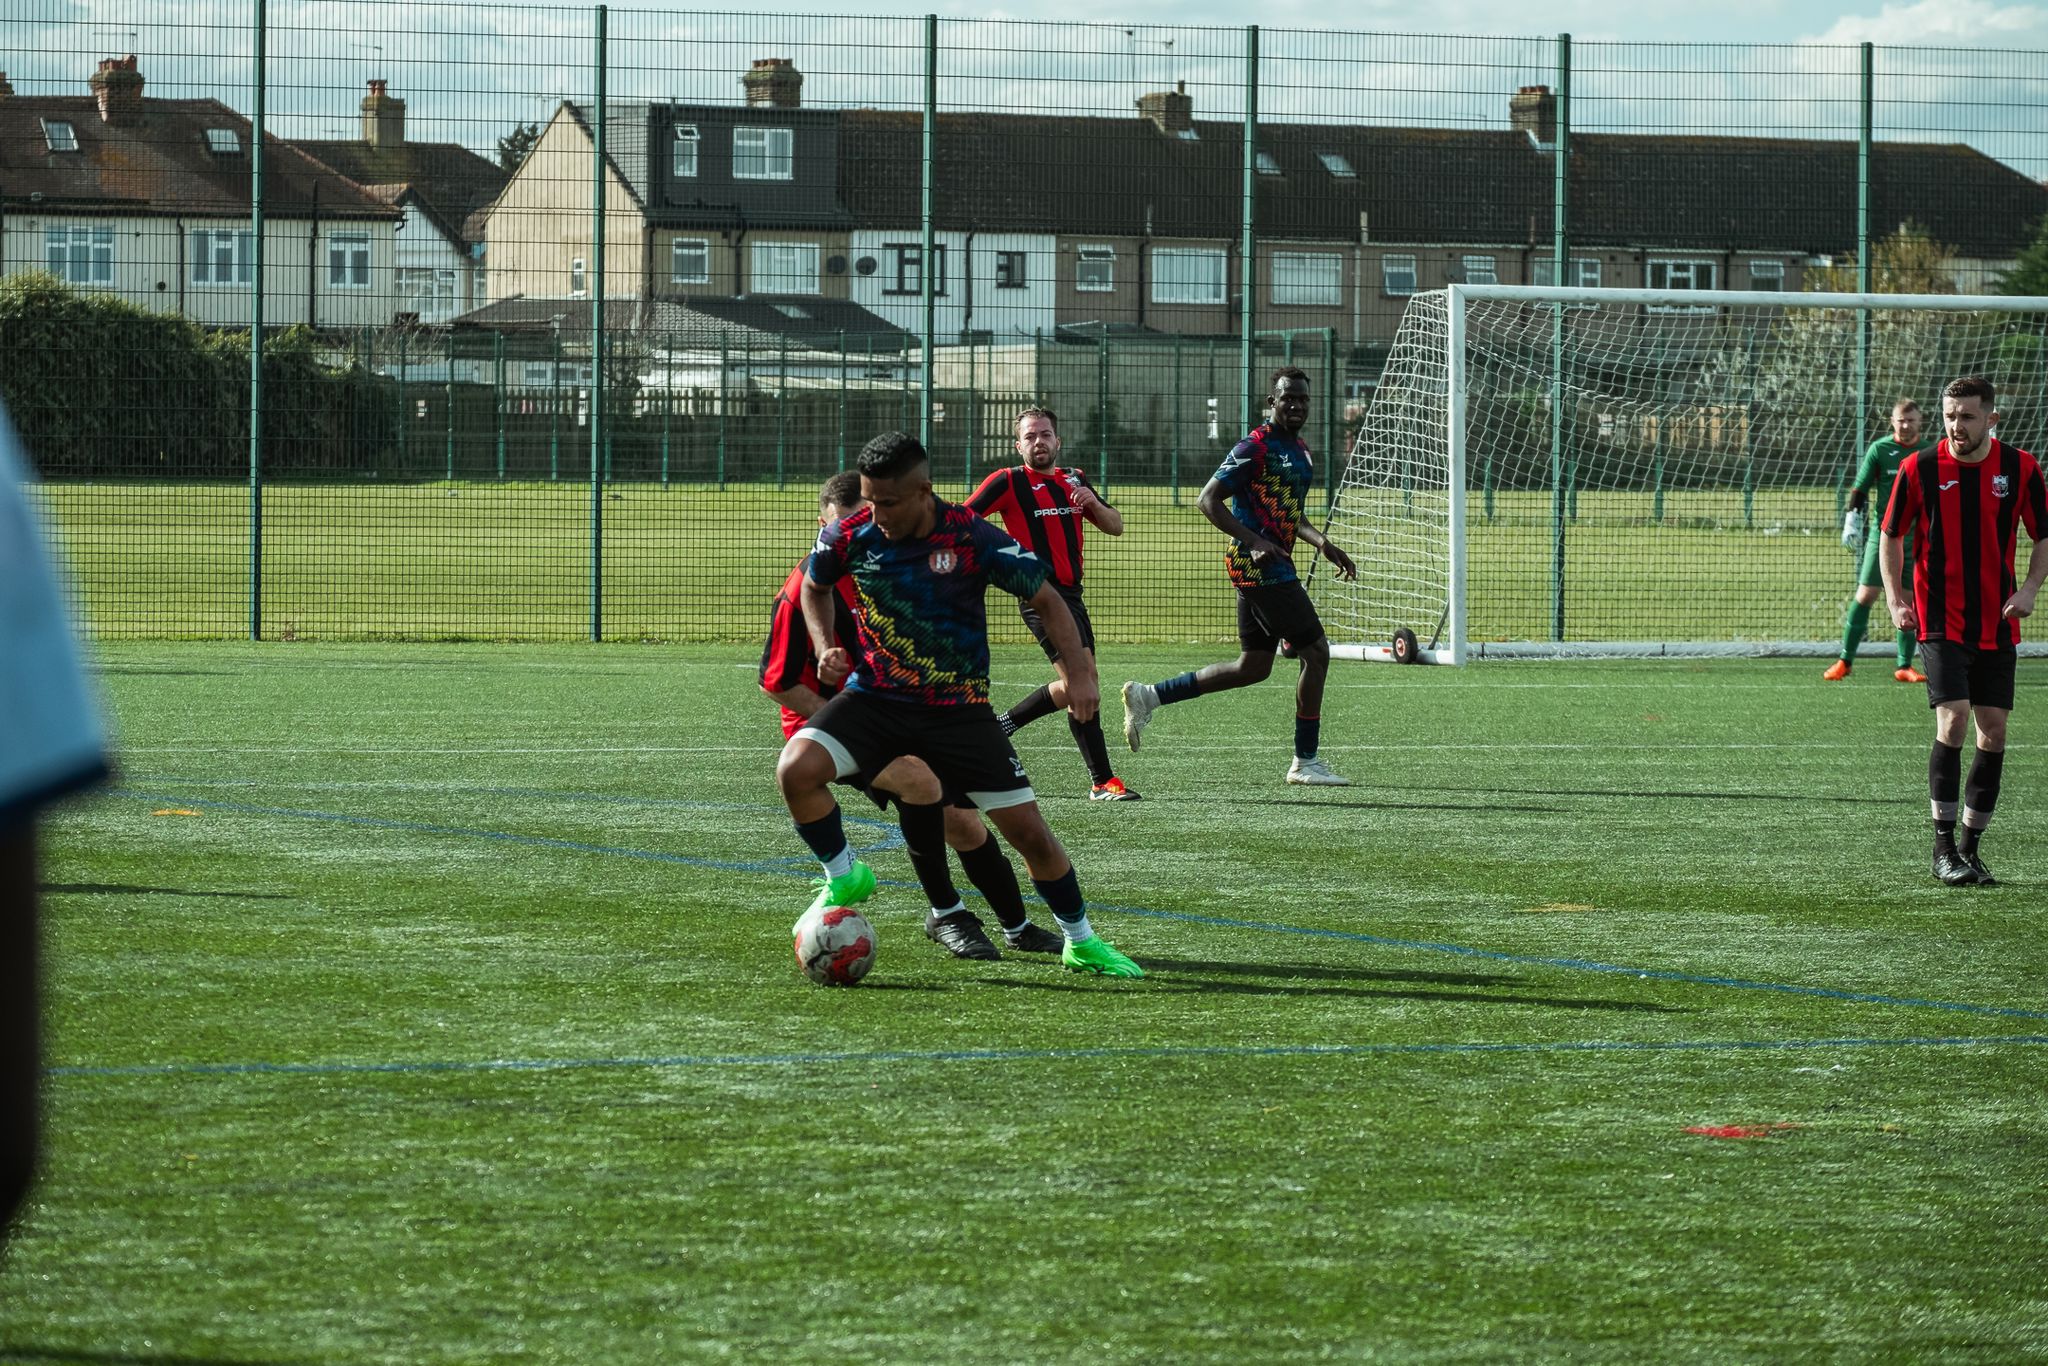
(1044, 507)
(1266, 479)
(1963, 504)
(918, 682)
(789, 674)
(1879, 469)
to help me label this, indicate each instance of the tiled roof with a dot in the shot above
(447, 180)
(162, 164)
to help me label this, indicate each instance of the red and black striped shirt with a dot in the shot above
(1038, 510)
(787, 659)
(1965, 518)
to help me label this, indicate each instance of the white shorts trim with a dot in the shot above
(996, 801)
(841, 760)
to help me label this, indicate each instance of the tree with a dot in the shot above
(514, 146)
(2029, 274)
(1910, 261)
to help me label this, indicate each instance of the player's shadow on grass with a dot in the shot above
(1467, 807)
(1186, 976)
(58, 1356)
(124, 889)
(1801, 797)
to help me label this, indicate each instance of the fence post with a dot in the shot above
(1331, 459)
(1102, 409)
(448, 400)
(782, 414)
(1248, 245)
(404, 432)
(260, 80)
(1563, 496)
(555, 408)
(1862, 261)
(498, 395)
(973, 402)
(841, 466)
(1173, 429)
(668, 408)
(931, 121)
(597, 423)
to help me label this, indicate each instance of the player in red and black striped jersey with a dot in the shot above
(1963, 503)
(789, 674)
(1043, 506)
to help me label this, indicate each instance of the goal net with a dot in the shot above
(1549, 471)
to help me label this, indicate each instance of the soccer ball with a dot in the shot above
(835, 946)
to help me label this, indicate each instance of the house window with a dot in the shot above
(426, 289)
(1307, 278)
(785, 268)
(579, 278)
(690, 261)
(1184, 275)
(1095, 271)
(1583, 272)
(222, 258)
(60, 135)
(223, 142)
(348, 262)
(1336, 165)
(687, 141)
(1397, 274)
(1268, 163)
(1671, 274)
(82, 256)
(763, 154)
(908, 276)
(1010, 270)
(1767, 276)
(1480, 270)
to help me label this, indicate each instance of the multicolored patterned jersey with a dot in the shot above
(923, 627)
(1268, 475)
(1038, 509)
(1964, 519)
(787, 660)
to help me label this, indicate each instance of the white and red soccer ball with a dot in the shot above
(835, 945)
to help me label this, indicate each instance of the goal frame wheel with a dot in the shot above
(1407, 649)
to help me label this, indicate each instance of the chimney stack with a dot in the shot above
(774, 83)
(383, 117)
(1533, 110)
(117, 85)
(1173, 111)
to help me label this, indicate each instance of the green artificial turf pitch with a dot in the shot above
(435, 1004)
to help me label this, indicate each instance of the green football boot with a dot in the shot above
(1099, 956)
(850, 888)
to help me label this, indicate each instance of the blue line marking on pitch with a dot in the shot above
(806, 868)
(1030, 1055)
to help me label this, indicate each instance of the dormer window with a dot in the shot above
(1336, 165)
(60, 135)
(687, 142)
(223, 142)
(763, 154)
(1268, 163)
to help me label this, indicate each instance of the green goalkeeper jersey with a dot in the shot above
(1880, 468)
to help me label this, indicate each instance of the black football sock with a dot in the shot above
(826, 837)
(1178, 688)
(1036, 704)
(1980, 796)
(1944, 781)
(1063, 894)
(924, 839)
(988, 868)
(1094, 749)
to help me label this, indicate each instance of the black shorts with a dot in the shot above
(863, 782)
(1964, 673)
(1072, 598)
(964, 745)
(1274, 612)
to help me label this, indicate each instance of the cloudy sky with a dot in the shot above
(1947, 70)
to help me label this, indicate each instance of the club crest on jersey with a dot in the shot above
(2000, 486)
(945, 561)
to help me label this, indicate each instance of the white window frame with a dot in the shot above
(427, 289)
(1308, 289)
(1585, 271)
(1338, 165)
(762, 265)
(206, 244)
(579, 278)
(686, 137)
(700, 247)
(1013, 270)
(1391, 268)
(224, 142)
(1210, 286)
(768, 153)
(80, 255)
(1675, 268)
(906, 269)
(348, 261)
(1480, 270)
(60, 135)
(1095, 269)
(1773, 271)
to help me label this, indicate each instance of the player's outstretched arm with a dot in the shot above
(1891, 558)
(1346, 570)
(1076, 664)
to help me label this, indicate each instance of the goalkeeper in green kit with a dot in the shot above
(1880, 467)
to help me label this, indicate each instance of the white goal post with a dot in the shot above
(1550, 472)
